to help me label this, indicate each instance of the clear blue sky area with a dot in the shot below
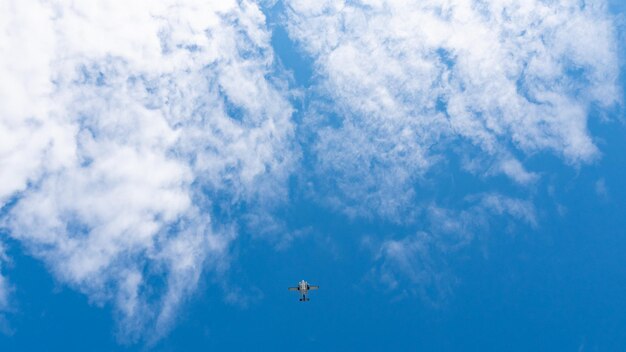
(558, 284)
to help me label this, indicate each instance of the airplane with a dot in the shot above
(303, 288)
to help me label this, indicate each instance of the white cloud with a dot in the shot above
(413, 266)
(4, 285)
(601, 189)
(519, 209)
(515, 170)
(411, 79)
(121, 126)
(417, 265)
(5, 294)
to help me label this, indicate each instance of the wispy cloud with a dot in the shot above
(4, 285)
(417, 265)
(413, 266)
(133, 135)
(408, 80)
(123, 126)
(601, 189)
(5, 294)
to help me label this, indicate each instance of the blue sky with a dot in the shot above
(450, 173)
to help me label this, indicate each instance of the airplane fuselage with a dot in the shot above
(303, 288)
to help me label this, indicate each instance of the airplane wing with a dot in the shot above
(314, 287)
(293, 289)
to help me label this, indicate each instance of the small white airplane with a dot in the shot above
(303, 288)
